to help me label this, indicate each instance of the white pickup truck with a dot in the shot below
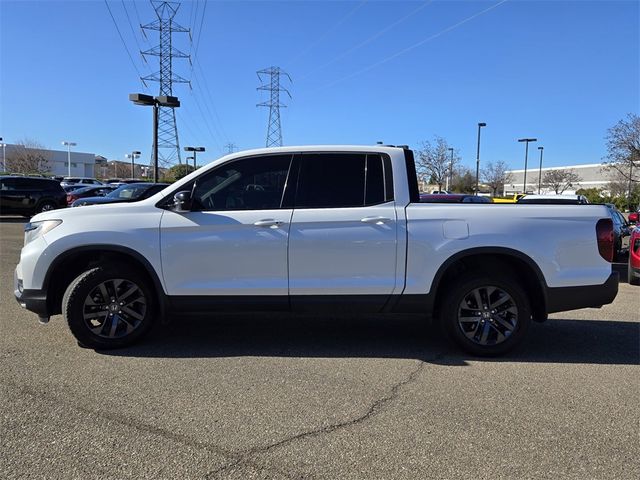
(311, 229)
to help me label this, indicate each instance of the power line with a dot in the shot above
(327, 32)
(204, 9)
(135, 7)
(368, 40)
(135, 37)
(414, 46)
(210, 98)
(124, 44)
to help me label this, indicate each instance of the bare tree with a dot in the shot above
(29, 156)
(495, 175)
(434, 161)
(559, 180)
(623, 153)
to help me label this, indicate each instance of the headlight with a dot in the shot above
(33, 230)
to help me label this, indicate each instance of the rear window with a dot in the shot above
(341, 180)
(20, 183)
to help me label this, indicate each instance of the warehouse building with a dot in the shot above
(25, 159)
(591, 176)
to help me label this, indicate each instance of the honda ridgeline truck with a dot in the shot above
(312, 229)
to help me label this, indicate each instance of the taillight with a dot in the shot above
(604, 233)
(71, 199)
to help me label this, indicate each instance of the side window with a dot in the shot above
(9, 184)
(340, 180)
(374, 180)
(331, 180)
(255, 183)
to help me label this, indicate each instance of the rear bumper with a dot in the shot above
(33, 300)
(571, 298)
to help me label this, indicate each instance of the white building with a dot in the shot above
(82, 164)
(591, 176)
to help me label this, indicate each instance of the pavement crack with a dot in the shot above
(131, 423)
(373, 410)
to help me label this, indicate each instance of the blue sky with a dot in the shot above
(400, 72)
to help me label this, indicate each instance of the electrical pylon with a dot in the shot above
(167, 128)
(274, 131)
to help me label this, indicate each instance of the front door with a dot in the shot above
(234, 241)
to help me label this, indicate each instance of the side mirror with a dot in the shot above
(182, 201)
(633, 217)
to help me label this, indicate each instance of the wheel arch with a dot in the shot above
(511, 261)
(68, 265)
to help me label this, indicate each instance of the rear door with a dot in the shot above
(343, 236)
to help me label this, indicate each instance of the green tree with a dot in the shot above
(178, 171)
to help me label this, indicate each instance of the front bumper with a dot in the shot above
(33, 300)
(562, 299)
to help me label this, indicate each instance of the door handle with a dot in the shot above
(268, 222)
(376, 220)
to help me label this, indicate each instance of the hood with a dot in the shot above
(78, 212)
(98, 200)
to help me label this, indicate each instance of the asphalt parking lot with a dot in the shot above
(318, 398)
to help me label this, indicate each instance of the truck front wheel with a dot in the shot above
(486, 315)
(109, 307)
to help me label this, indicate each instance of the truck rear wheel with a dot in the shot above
(486, 315)
(109, 307)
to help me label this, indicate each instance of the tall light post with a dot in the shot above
(540, 171)
(69, 145)
(194, 150)
(450, 179)
(480, 125)
(133, 156)
(155, 102)
(4, 155)
(526, 156)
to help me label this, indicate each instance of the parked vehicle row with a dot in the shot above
(30, 195)
(130, 192)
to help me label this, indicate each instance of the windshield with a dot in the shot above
(129, 191)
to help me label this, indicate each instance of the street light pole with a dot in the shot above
(450, 179)
(69, 145)
(526, 157)
(480, 125)
(155, 102)
(194, 150)
(4, 157)
(540, 171)
(133, 156)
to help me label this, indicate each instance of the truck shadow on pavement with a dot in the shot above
(556, 341)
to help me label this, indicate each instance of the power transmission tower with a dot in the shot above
(231, 147)
(274, 131)
(167, 128)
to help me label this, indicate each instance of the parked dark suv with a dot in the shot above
(30, 195)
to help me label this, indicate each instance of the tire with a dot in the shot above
(502, 322)
(109, 307)
(46, 206)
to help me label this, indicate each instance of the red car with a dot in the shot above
(91, 191)
(633, 275)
